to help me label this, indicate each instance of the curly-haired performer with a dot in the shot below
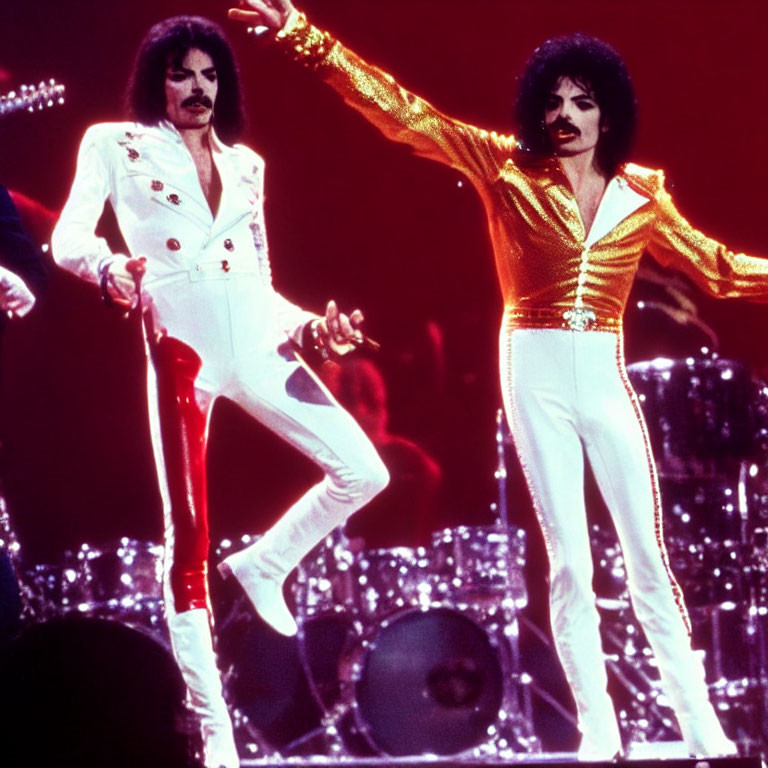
(190, 207)
(569, 219)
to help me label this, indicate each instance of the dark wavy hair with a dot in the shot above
(598, 68)
(168, 42)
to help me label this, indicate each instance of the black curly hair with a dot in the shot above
(168, 42)
(599, 69)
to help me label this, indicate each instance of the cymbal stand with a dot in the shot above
(516, 716)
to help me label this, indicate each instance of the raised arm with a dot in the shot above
(713, 267)
(398, 114)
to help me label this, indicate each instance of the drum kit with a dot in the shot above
(405, 651)
(402, 651)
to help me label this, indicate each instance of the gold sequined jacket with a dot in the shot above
(552, 272)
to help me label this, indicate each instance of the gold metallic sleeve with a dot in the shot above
(398, 114)
(709, 264)
(550, 273)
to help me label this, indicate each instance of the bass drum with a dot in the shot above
(94, 692)
(431, 682)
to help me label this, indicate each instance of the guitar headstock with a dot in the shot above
(32, 98)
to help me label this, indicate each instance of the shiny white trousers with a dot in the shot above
(229, 320)
(567, 395)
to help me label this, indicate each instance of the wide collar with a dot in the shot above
(235, 201)
(620, 200)
(630, 189)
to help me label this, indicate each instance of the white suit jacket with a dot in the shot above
(150, 179)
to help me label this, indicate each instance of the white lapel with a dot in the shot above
(236, 196)
(618, 202)
(181, 173)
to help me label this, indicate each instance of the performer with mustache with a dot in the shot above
(569, 219)
(189, 203)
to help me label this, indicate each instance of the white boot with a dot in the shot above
(263, 567)
(193, 649)
(704, 736)
(600, 737)
(700, 727)
(264, 590)
(576, 629)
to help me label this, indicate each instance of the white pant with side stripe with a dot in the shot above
(567, 396)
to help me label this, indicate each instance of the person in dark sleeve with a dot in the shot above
(22, 276)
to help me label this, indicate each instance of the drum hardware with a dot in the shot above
(708, 422)
(533, 685)
(737, 668)
(10, 593)
(25, 600)
(644, 714)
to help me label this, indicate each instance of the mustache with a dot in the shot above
(193, 101)
(562, 124)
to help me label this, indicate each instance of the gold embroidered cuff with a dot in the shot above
(306, 43)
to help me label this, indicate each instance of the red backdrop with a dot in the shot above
(353, 217)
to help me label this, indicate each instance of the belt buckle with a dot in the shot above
(580, 318)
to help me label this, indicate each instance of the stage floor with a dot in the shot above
(551, 760)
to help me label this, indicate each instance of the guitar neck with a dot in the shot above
(32, 98)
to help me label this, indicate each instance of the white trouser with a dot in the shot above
(229, 321)
(566, 394)
(222, 340)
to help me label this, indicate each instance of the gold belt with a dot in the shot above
(574, 319)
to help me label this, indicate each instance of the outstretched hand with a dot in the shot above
(271, 14)
(339, 332)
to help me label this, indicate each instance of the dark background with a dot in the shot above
(353, 217)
